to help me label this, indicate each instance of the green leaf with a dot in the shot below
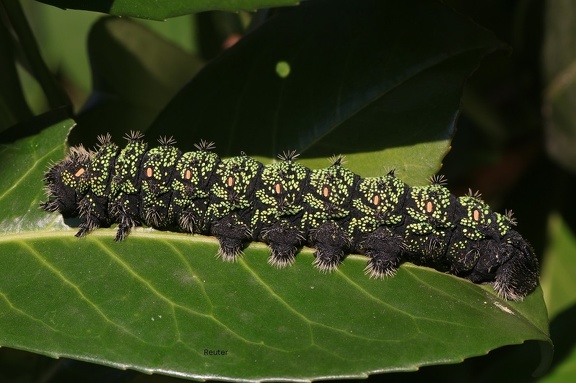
(386, 96)
(558, 275)
(30, 51)
(559, 286)
(13, 106)
(62, 38)
(21, 186)
(156, 302)
(160, 10)
(130, 84)
(160, 302)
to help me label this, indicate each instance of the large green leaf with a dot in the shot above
(160, 10)
(160, 302)
(157, 302)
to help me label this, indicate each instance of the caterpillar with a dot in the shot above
(288, 206)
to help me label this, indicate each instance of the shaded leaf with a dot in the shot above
(30, 51)
(155, 10)
(559, 286)
(13, 106)
(62, 38)
(559, 269)
(386, 95)
(564, 337)
(131, 84)
(559, 58)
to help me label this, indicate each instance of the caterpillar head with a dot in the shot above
(502, 256)
(518, 273)
(65, 181)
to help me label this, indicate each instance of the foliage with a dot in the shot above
(378, 81)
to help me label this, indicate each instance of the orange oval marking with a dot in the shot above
(187, 174)
(79, 172)
(230, 181)
(476, 215)
(326, 191)
(278, 188)
(429, 207)
(149, 172)
(376, 200)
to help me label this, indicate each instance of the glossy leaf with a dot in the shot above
(156, 10)
(386, 96)
(62, 36)
(130, 84)
(21, 186)
(160, 302)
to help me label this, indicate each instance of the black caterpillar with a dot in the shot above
(287, 206)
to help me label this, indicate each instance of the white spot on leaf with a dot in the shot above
(503, 308)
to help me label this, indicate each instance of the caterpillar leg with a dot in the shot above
(232, 235)
(189, 222)
(384, 249)
(284, 242)
(122, 232)
(93, 211)
(120, 212)
(85, 228)
(332, 244)
(90, 223)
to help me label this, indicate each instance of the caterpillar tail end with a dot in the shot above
(519, 276)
